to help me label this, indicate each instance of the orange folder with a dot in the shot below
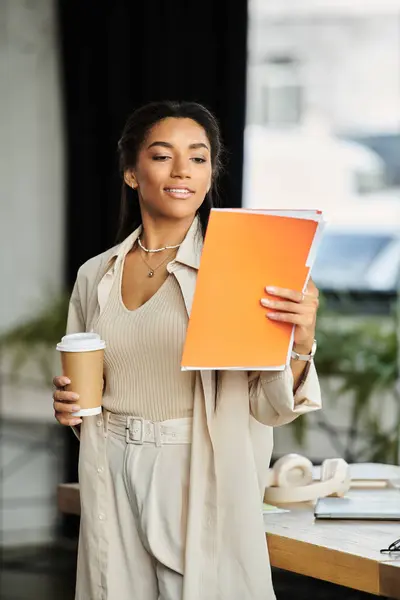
(244, 251)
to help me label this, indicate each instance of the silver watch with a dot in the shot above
(305, 357)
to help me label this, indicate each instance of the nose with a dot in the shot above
(180, 168)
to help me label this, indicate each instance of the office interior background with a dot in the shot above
(307, 93)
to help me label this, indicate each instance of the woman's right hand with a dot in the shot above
(65, 402)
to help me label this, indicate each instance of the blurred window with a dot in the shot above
(323, 130)
(367, 182)
(282, 92)
(346, 260)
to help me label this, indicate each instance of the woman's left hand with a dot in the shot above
(297, 308)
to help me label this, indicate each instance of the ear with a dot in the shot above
(130, 179)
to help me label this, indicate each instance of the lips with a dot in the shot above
(179, 193)
(178, 190)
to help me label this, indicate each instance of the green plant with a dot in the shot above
(362, 353)
(36, 338)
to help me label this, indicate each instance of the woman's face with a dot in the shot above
(173, 169)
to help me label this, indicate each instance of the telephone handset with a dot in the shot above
(291, 480)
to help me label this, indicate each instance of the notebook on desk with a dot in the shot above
(365, 506)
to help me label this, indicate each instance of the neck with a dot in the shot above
(158, 233)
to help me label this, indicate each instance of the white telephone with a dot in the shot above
(291, 480)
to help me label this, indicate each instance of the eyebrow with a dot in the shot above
(195, 146)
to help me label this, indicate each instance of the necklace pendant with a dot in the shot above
(150, 274)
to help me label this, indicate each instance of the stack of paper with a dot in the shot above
(268, 509)
(244, 251)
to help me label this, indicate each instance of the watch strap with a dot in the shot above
(305, 357)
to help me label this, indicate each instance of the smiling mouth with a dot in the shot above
(178, 191)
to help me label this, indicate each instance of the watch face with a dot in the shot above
(305, 357)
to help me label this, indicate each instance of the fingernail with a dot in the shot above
(271, 289)
(75, 408)
(76, 421)
(265, 302)
(271, 315)
(75, 396)
(66, 381)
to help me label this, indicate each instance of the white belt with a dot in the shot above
(140, 431)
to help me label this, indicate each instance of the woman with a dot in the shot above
(172, 475)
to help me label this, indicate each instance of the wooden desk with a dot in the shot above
(68, 498)
(341, 552)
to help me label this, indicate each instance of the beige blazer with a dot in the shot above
(226, 556)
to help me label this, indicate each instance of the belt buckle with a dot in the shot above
(130, 432)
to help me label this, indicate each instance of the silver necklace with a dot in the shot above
(157, 249)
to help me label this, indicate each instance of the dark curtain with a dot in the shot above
(117, 55)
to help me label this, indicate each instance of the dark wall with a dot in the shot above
(119, 55)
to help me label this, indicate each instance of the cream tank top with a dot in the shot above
(143, 354)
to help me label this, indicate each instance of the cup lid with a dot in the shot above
(81, 342)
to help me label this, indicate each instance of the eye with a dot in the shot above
(199, 160)
(160, 158)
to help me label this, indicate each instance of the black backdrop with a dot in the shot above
(120, 54)
(117, 55)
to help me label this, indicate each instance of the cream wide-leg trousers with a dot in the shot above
(147, 488)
